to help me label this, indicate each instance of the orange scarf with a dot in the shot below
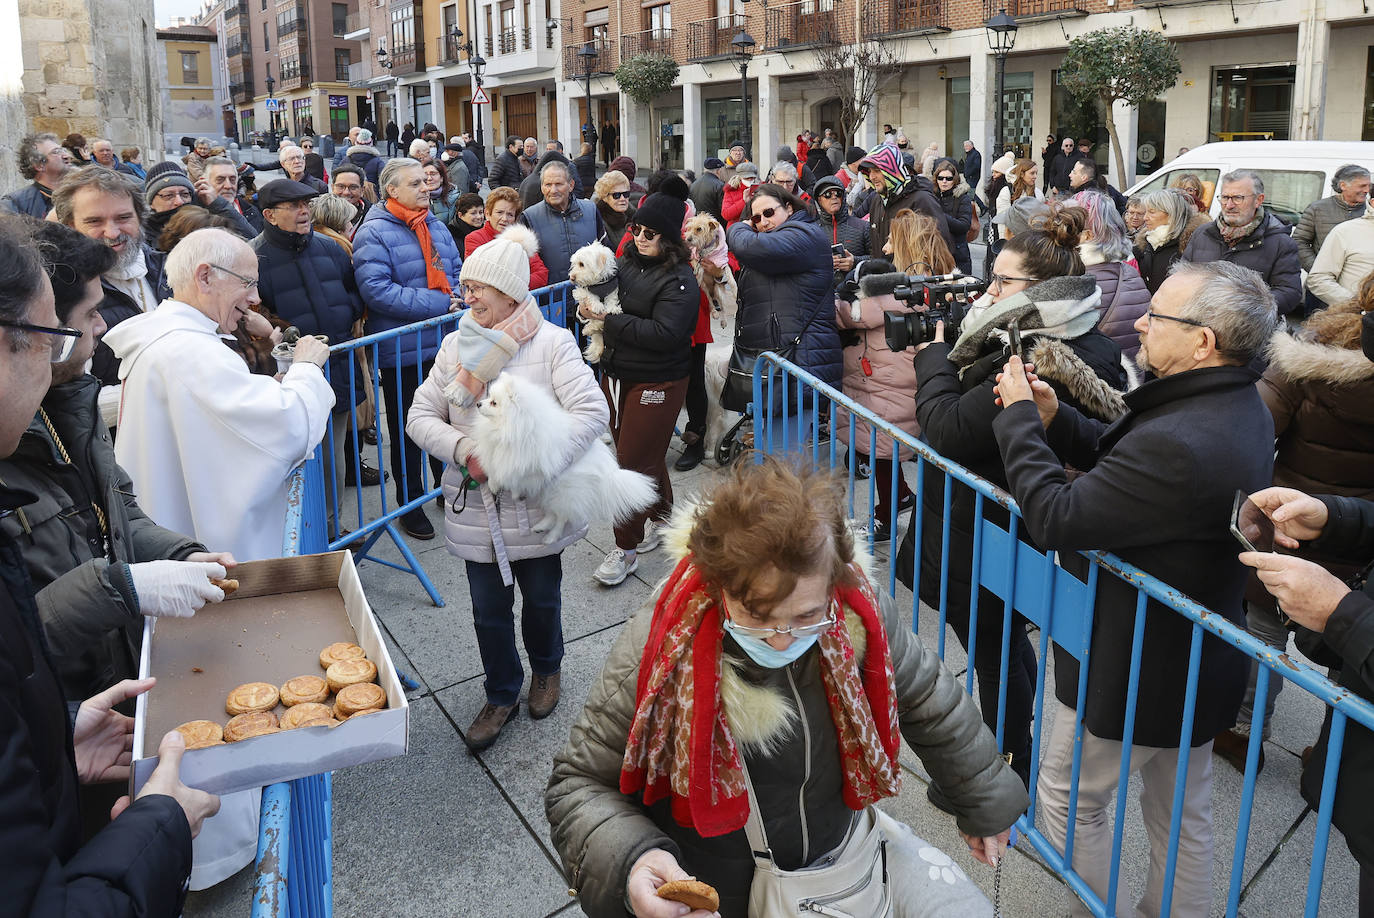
(678, 708)
(417, 219)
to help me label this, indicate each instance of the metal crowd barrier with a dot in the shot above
(368, 525)
(294, 867)
(1061, 606)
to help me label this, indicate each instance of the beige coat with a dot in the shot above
(551, 359)
(890, 392)
(1345, 260)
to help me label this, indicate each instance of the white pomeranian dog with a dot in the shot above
(524, 440)
(592, 269)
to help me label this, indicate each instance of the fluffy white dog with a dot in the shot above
(523, 438)
(592, 269)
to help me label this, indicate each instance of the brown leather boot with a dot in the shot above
(1233, 745)
(543, 696)
(487, 727)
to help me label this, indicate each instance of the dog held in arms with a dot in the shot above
(592, 270)
(522, 436)
(711, 263)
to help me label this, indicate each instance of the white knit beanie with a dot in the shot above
(504, 263)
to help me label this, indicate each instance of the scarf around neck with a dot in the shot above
(484, 352)
(678, 708)
(416, 220)
(1061, 307)
(1234, 234)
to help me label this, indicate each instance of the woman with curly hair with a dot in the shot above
(612, 199)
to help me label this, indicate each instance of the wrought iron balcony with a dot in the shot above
(241, 92)
(447, 51)
(650, 41)
(904, 17)
(607, 58)
(1036, 9)
(291, 25)
(238, 48)
(507, 41)
(708, 39)
(294, 75)
(805, 24)
(233, 10)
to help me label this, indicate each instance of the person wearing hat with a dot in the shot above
(169, 187)
(858, 194)
(646, 364)
(307, 280)
(708, 191)
(737, 157)
(738, 191)
(503, 331)
(898, 189)
(1020, 216)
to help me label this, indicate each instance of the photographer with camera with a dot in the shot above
(1040, 287)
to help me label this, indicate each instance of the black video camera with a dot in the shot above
(948, 296)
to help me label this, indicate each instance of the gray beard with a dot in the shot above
(133, 252)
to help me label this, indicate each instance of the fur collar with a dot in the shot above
(1054, 360)
(1160, 236)
(1302, 360)
(760, 718)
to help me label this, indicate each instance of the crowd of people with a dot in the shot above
(143, 309)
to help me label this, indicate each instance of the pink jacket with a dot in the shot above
(890, 392)
(552, 359)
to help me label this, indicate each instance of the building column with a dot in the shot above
(866, 134)
(694, 147)
(566, 103)
(1127, 120)
(1309, 82)
(635, 140)
(436, 105)
(769, 109)
(982, 103)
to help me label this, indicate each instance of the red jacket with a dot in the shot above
(539, 274)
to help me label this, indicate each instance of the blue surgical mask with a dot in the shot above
(765, 654)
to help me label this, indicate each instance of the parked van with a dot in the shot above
(1295, 172)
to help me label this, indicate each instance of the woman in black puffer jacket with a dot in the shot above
(1167, 214)
(646, 362)
(956, 200)
(833, 216)
(1039, 280)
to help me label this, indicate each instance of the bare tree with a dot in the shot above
(855, 73)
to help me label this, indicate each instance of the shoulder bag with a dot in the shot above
(738, 390)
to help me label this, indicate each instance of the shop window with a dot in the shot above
(1252, 103)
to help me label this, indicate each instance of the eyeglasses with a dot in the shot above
(638, 229)
(167, 195)
(64, 339)
(765, 214)
(472, 289)
(1179, 319)
(248, 282)
(618, 195)
(1235, 198)
(999, 279)
(795, 631)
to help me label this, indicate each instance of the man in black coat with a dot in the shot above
(1062, 165)
(506, 171)
(708, 192)
(140, 863)
(897, 190)
(972, 165)
(1157, 489)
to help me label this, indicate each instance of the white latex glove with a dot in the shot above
(175, 588)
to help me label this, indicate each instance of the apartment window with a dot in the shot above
(658, 20)
(403, 27)
(266, 46)
(264, 4)
(340, 11)
(342, 59)
(190, 67)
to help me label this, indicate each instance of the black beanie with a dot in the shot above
(676, 186)
(854, 155)
(662, 212)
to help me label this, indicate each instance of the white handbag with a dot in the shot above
(849, 882)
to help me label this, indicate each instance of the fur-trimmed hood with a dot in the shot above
(1055, 361)
(1308, 361)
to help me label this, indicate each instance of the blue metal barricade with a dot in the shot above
(294, 867)
(402, 349)
(1032, 584)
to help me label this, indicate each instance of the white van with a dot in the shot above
(1295, 172)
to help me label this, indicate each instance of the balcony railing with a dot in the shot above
(1036, 9)
(407, 59)
(650, 41)
(804, 24)
(488, 49)
(238, 48)
(359, 73)
(446, 51)
(294, 75)
(356, 22)
(895, 17)
(292, 25)
(241, 92)
(607, 58)
(507, 41)
(233, 10)
(710, 38)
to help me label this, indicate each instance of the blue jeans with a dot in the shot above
(541, 623)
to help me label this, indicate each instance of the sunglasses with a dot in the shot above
(617, 195)
(649, 235)
(944, 178)
(765, 214)
(832, 193)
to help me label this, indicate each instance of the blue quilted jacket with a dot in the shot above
(391, 277)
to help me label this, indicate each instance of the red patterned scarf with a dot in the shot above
(680, 744)
(417, 219)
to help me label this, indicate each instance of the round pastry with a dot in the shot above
(692, 893)
(250, 697)
(306, 714)
(350, 672)
(360, 696)
(201, 733)
(341, 716)
(254, 723)
(340, 651)
(303, 689)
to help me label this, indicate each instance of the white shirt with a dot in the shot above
(209, 445)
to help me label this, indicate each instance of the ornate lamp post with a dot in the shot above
(271, 112)
(742, 46)
(476, 64)
(1001, 33)
(588, 54)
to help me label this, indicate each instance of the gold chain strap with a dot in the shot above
(66, 457)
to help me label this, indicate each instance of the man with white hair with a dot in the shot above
(529, 156)
(784, 175)
(366, 157)
(292, 159)
(103, 152)
(562, 222)
(195, 160)
(211, 445)
(421, 151)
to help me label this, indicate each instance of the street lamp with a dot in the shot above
(476, 64)
(588, 55)
(1001, 32)
(742, 45)
(271, 111)
(382, 59)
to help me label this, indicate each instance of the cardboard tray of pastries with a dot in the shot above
(272, 629)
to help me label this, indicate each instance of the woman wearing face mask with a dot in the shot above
(646, 363)
(503, 208)
(768, 636)
(1167, 214)
(787, 291)
(612, 198)
(442, 195)
(1038, 280)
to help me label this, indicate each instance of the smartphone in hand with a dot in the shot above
(838, 251)
(1014, 333)
(1249, 524)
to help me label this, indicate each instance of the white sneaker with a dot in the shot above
(617, 566)
(653, 537)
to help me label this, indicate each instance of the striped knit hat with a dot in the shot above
(887, 159)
